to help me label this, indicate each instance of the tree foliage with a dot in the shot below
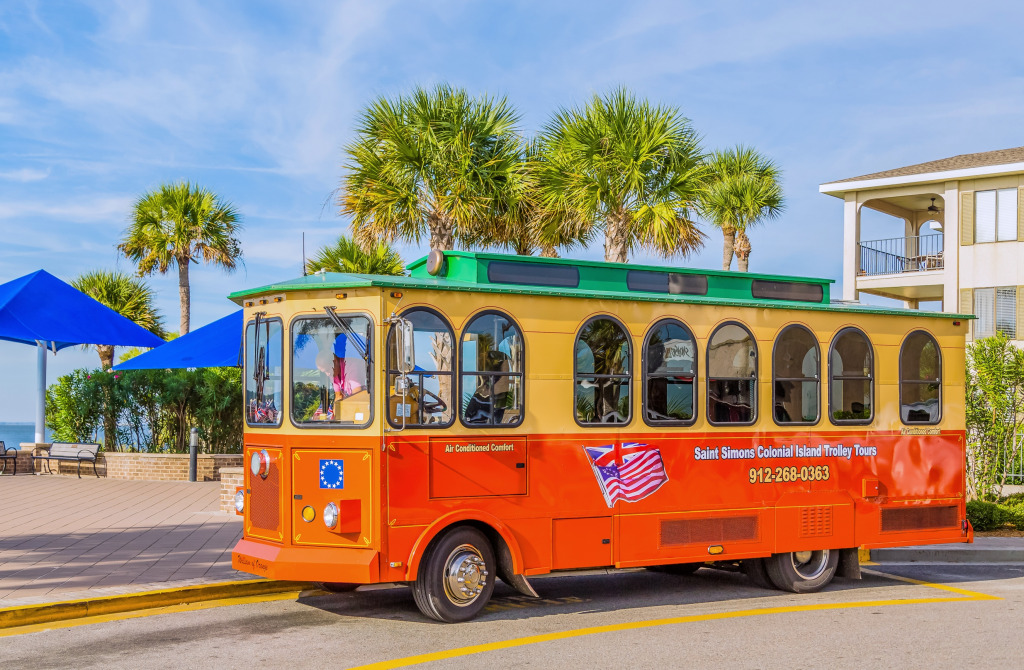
(995, 413)
(346, 255)
(177, 224)
(435, 161)
(742, 191)
(129, 296)
(152, 410)
(625, 166)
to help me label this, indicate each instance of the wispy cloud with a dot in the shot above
(102, 209)
(24, 175)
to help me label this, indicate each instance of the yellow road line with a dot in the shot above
(967, 596)
(170, 609)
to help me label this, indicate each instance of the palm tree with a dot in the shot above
(628, 167)
(347, 256)
(433, 161)
(743, 190)
(177, 224)
(129, 296)
(522, 224)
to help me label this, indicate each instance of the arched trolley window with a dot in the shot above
(851, 398)
(670, 372)
(331, 363)
(602, 373)
(732, 375)
(491, 372)
(264, 348)
(920, 379)
(428, 402)
(796, 377)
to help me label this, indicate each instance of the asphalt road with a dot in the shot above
(711, 619)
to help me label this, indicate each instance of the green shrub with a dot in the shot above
(985, 515)
(1015, 514)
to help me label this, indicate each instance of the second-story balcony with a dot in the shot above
(898, 255)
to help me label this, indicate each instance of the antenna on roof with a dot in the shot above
(303, 253)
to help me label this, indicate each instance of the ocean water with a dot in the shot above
(13, 434)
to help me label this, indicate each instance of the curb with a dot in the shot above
(27, 615)
(993, 555)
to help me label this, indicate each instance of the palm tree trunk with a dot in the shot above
(106, 352)
(441, 234)
(742, 247)
(548, 251)
(728, 244)
(184, 295)
(616, 238)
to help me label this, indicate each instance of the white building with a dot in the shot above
(958, 237)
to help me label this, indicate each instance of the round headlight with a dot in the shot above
(259, 464)
(330, 515)
(240, 501)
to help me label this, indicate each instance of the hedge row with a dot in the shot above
(995, 516)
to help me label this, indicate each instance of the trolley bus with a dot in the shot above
(493, 416)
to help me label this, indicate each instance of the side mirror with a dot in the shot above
(405, 348)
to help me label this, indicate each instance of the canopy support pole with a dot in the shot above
(41, 400)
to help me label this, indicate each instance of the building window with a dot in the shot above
(995, 215)
(670, 368)
(795, 377)
(602, 373)
(428, 400)
(851, 369)
(920, 379)
(732, 375)
(491, 367)
(996, 309)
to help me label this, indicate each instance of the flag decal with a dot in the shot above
(629, 472)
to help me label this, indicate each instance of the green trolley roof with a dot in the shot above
(502, 273)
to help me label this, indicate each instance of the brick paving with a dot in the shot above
(64, 538)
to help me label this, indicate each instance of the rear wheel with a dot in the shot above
(336, 587)
(802, 571)
(455, 577)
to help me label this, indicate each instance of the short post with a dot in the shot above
(193, 454)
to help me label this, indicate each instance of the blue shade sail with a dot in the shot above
(215, 345)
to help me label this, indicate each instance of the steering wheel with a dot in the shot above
(434, 406)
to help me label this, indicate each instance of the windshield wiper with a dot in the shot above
(340, 324)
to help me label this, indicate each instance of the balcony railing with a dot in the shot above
(901, 254)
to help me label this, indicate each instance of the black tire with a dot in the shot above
(755, 570)
(676, 568)
(802, 571)
(336, 587)
(460, 553)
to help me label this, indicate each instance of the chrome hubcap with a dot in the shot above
(465, 575)
(810, 564)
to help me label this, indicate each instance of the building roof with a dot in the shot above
(961, 162)
(499, 273)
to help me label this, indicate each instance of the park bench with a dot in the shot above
(71, 451)
(8, 455)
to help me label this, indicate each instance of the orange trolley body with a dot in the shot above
(549, 491)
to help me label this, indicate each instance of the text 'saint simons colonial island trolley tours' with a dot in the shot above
(496, 416)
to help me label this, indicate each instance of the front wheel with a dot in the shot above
(802, 571)
(455, 577)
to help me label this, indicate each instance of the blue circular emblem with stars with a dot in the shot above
(332, 474)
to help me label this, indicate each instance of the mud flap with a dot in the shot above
(849, 564)
(518, 582)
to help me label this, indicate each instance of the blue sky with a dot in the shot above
(101, 101)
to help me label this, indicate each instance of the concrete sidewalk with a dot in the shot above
(983, 550)
(64, 538)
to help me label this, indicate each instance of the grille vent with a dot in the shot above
(676, 532)
(265, 508)
(920, 518)
(816, 521)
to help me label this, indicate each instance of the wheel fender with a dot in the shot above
(452, 518)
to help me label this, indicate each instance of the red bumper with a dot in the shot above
(318, 564)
